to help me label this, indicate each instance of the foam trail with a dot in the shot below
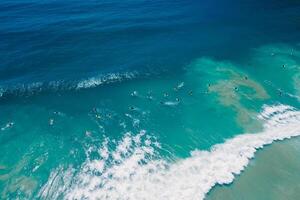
(133, 172)
(171, 103)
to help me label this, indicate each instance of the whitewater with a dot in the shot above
(133, 170)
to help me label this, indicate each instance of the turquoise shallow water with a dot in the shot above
(149, 100)
(133, 137)
(271, 175)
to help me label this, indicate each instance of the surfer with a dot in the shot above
(149, 95)
(131, 108)
(208, 88)
(179, 86)
(8, 125)
(97, 116)
(134, 94)
(88, 133)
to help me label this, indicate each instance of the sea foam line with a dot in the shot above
(109, 78)
(131, 172)
(62, 85)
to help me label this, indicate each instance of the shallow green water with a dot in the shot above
(273, 174)
(129, 139)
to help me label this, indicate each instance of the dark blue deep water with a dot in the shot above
(44, 41)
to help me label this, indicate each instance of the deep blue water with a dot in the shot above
(44, 41)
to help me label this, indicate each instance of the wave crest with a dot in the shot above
(36, 87)
(109, 78)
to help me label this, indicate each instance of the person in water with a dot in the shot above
(208, 88)
(131, 108)
(88, 133)
(97, 116)
(134, 94)
(149, 95)
(8, 125)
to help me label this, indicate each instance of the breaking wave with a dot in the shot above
(61, 85)
(110, 78)
(134, 170)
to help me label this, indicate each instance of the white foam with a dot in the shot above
(133, 172)
(171, 103)
(109, 78)
(35, 87)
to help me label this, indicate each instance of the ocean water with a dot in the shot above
(149, 99)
